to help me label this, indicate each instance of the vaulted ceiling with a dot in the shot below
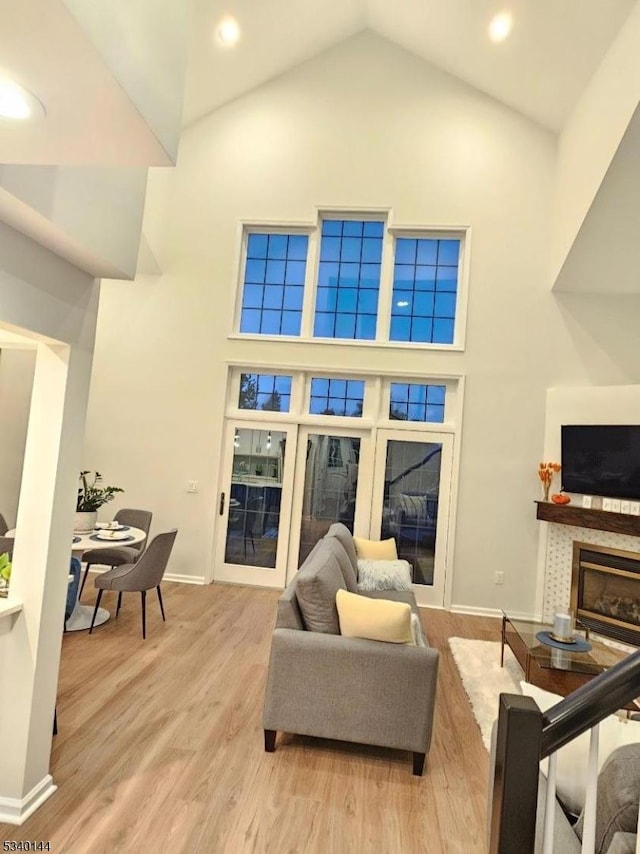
(540, 70)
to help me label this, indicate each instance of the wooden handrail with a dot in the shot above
(591, 703)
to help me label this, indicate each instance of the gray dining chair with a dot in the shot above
(6, 546)
(119, 555)
(139, 577)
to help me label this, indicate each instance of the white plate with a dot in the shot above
(112, 535)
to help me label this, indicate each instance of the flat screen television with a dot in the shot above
(601, 460)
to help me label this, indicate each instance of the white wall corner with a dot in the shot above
(152, 70)
(18, 810)
(591, 136)
(90, 216)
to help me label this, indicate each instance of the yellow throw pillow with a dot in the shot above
(376, 549)
(374, 619)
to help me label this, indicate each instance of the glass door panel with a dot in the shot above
(329, 484)
(253, 505)
(411, 503)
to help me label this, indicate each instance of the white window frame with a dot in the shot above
(391, 233)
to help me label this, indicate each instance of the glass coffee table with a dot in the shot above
(558, 670)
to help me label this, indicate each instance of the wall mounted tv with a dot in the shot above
(601, 460)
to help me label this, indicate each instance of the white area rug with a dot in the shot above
(478, 663)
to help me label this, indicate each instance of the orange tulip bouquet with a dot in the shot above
(546, 472)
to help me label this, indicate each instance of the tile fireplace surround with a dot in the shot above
(559, 558)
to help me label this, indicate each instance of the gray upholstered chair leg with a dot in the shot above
(119, 603)
(84, 579)
(270, 740)
(418, 764)
(95, 610)
(161, 605)
(143, 596)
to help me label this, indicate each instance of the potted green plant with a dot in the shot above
(5, 574)
(91, 496)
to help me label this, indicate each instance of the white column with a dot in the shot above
(30, 642)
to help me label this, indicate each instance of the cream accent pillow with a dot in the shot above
(376, 549)
(374, 619)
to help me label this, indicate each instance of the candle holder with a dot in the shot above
(563, 627)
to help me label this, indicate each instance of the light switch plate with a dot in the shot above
(606, 504)
(615, 505)
(634, 508)
(624, 507)
(586, 502)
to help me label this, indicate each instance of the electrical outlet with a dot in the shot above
(624, 507)
(499, 577)
(615, 505)
(192, 486)
(634, 508)
(606, 504)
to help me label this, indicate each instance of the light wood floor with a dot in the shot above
(160, 746)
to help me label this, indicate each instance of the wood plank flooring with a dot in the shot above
(160, 746)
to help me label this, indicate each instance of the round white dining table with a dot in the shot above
(80, 617)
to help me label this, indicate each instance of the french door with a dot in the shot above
(411, 502)
(332, 484)
(254, 503)
(284, 485)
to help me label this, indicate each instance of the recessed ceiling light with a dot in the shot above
(228, 31)
(17, 104)
(500, 26)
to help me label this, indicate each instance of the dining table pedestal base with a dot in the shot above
(81, 615)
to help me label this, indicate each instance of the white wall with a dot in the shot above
(591, 136)
(89, 215)
(44, 295)
(365, 124)
(16, 382)
(152, 68)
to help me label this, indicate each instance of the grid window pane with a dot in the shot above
(350, 258)
(414, 402)
(425, 283)
(336, 397)
(273, 290)
(264, 391)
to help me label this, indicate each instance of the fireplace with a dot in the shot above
(605, 591)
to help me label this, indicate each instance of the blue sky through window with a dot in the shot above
(348, 279)
(415, 402)
(274, 284)
(265, 391)
(336, 397)
(425, 284)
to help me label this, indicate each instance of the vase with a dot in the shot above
(545, 491)
(85, 521)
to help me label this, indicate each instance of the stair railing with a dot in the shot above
(525, 735)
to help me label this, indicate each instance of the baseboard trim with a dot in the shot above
(168, 576)
(493, 612)
(183, 579)
(18, 810)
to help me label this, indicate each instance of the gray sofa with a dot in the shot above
(322, 684)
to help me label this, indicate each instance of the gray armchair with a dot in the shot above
(119, 555)
(138, 577)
